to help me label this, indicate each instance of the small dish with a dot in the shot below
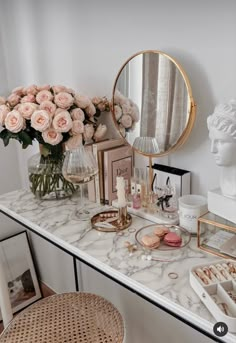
(108, 221)
(164, 252)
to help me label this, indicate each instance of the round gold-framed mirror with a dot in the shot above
(152, 103)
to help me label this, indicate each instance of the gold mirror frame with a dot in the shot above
(192, 107)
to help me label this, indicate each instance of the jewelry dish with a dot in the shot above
(109, 221)
(163, 252)
(149, 230)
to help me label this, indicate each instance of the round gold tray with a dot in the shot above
(108, 221)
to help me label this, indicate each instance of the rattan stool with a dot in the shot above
(68, 317)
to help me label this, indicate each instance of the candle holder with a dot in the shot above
(122, 215)
(112, 220)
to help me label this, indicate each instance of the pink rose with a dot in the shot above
(100, 132)
(31, 90)
(52, 137)
(43, 88)
(13, 99)
(117, 112)
(48, 106)
(58, 110)
(77, 127)
(2, 100)
(27, 109)
(102, 106)
(40, 120)
(17, 107)
(64, 100)
(88, 132)
(18, 90)
(14, 121)
(62, 122)
(77, 114)
(126, 108)
(70, 90)
(74, 142)
(101, 103)
(96, 100)
(134, 114)
(28, 98)
(82, 101)
(58, 89)
(44, 96)
(90, 110)
(126, 121)
(4, 110)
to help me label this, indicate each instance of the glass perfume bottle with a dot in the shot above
(170, 204)
(143, 185)
(136, 190)
(137, 200)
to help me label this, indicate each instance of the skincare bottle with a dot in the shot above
(136, 190)
(137, 201)
(143, 186)
(134, 180)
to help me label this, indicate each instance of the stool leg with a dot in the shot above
(5, 303)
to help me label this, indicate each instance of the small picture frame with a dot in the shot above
(17, 261)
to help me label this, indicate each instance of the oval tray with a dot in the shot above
(107, 221)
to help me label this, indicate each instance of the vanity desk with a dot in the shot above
(107, 254)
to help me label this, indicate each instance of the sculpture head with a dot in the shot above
(222, 132)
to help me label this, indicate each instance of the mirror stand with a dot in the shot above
(153, 109)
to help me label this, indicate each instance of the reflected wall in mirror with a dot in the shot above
(153, 106)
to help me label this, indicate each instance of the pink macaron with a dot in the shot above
(172, 239)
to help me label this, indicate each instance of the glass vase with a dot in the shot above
(46, 179)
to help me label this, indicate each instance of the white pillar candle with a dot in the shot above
(120, 186)
(5, 303)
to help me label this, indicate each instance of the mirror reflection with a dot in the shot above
(152, 103)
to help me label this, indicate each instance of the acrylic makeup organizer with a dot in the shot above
(215, 284)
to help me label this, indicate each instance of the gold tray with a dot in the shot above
(108, 221)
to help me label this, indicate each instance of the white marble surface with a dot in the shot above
(106, 251)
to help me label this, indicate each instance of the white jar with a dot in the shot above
(190, 208)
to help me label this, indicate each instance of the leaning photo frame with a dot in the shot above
(19, 268)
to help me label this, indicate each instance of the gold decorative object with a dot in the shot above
(216, 235)
(111, 221)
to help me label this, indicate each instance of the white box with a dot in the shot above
(221, 205)
(214, 292)
(178, 177)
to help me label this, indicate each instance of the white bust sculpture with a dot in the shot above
(222, 132)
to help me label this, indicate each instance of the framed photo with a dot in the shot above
(20, 273)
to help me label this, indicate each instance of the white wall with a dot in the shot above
(83, 44)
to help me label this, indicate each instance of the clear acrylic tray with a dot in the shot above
(215, 284)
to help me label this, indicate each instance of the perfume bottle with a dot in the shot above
(137, 201)
(136, 190)
(143, 186)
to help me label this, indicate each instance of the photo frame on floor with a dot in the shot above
(20, 273)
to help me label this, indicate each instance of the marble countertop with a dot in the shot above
(56, 221)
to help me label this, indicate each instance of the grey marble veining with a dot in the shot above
(57, 218)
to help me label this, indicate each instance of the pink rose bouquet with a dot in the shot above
(52, 115)
(57, 118)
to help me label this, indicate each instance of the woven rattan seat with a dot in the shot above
(67, 318)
